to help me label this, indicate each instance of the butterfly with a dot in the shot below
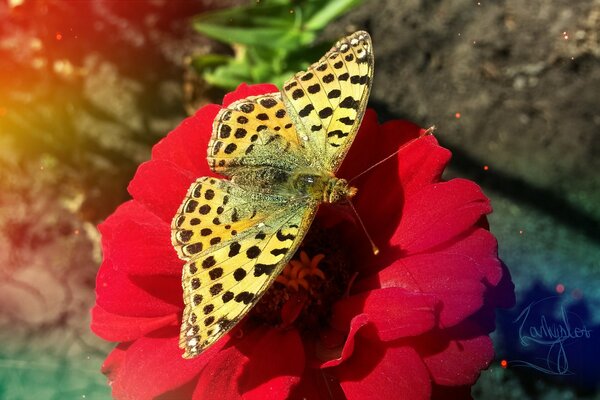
(280, 152)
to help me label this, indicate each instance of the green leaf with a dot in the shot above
(229, 76)
(329, 12)
(272, 38)
(205, 61)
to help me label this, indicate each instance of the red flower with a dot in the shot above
(411, 322)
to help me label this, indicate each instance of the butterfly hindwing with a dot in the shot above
(213, 212)
(327, 101)
(222, 281)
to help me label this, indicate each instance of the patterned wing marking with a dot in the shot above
(221, 285)
(327, 101)
(214, 211)
(247, 125)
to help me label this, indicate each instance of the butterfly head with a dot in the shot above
(338, 190)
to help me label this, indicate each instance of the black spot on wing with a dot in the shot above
(247, 107)
(185, 236)
(349, 102)
(234, 249)
(306, 110)
(268, 102)
(267, 269)
(208, 262)
(278, 252)
(215, 273)
(339, 133)
(230, 148)
(282, 238)
(346, 121)
(312, 89)
(239, 274)
(227, 296)
(298, 93)
(191, 206)
(253, 252)
(193, 248)
(328, 78)
(244, 297)
(326, 112)
(359, 79)
(216, 289)
(334, 94)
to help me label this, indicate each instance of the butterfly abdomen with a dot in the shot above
(322, 188)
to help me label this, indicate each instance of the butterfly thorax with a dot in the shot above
(321, 187)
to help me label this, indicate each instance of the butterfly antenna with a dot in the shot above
(373, 246)
(429, 131)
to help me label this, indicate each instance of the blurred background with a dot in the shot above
(87, 87)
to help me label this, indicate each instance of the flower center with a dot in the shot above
(304, 293)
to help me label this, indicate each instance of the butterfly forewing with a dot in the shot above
(241, 129)
(328, 101)
(222, 281)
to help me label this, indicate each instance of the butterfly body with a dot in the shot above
(280, 152)
(321, 187)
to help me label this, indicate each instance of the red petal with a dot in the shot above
(454, 280)
(118, 294)
(185, 391)
(394, 312)
(421, 163)
(161, 187)
(346, 351)
(384, 373)
(318, 384)
(186, 145)
(112, 363)
(480, 248)
(153, 366)
(400, 131)
(219, 379)
(375, 142)
(244, 90)
(138, 242)
(275, 365)
(438, 213)
(117, 328)
(457, 355)
(418, 164)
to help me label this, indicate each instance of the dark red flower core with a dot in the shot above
(308, 304)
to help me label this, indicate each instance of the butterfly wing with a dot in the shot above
(242, 130)
(327, 102)
(235, 243)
